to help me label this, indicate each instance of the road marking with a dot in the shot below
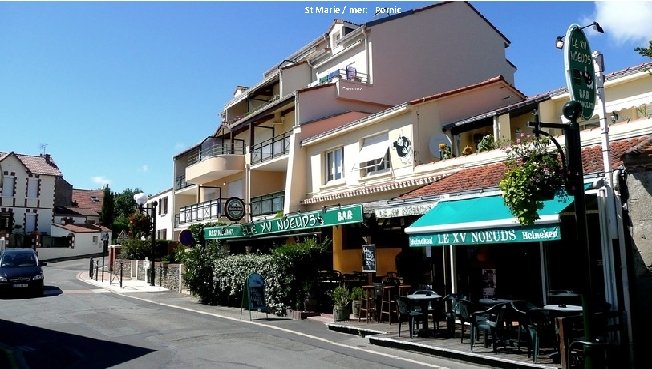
(373, 352)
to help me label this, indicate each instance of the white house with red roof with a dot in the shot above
(27, 195)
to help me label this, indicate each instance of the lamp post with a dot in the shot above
(105, 245)
(141, 199)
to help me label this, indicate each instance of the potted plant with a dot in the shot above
(356, 300)
(533, 174)
(487, 143)
(445, 151)
(341, 297)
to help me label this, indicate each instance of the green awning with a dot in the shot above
(484, 220)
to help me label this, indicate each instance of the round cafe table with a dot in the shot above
(564, 309)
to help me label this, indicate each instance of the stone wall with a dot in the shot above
(167, 275)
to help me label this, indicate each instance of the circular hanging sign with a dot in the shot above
(580, 74)
(186, 238)
(234, 208)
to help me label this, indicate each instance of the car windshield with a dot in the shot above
(18, 260)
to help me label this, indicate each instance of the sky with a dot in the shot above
(114, 90)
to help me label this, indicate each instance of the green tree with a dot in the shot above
(645, 51)
(108, 207)
(124, 205)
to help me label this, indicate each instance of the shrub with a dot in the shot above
(135, 249)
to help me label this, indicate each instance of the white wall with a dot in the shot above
(42, 206)
(435, 50)
(164, 219)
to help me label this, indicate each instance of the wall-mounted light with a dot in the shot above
(560, 42)
(614, 117)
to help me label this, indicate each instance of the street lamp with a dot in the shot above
(559, 43)
(141, 199)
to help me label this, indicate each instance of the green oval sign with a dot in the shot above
(580, 74)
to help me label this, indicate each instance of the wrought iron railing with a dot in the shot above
(350, 74)
(267, 204)
(180, 182)
(271, 148)
(215, 150)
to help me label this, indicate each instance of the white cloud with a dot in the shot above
(626, 21)
(101, 180)
(144, 168)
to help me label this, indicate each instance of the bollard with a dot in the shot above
(97, 266)
(90, 269)
(160, 275)
(121, 275)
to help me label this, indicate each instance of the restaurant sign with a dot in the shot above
(295, 222)
(305, 221)
(222, 233)
(537, 233)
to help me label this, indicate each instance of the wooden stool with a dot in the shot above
(368, 305)
(388, 305)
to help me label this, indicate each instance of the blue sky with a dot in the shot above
(116, 89)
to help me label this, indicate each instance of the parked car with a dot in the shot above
(20, 270)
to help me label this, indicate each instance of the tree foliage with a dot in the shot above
(645, 51)
(107, 214)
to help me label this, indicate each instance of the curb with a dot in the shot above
(471, 357)
(362, 332)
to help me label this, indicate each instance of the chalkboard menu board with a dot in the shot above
(368, 258)
(253, 295)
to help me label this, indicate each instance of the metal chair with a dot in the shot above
(406, 313)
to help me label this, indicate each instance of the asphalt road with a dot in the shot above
(77, 325)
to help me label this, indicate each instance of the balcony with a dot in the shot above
(180, 183)
(215, 161)
(207, 210)
(271, 148)
(267, 204)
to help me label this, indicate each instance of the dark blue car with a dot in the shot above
(20, 270)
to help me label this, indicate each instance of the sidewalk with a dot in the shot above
(382, 334)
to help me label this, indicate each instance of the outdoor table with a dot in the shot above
(564, 310)
(424, 301)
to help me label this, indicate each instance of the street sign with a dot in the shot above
(579, 69)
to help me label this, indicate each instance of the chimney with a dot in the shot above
(239, 90)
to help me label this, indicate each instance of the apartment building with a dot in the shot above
(350, 72)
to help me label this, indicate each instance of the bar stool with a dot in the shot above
(388, 305)
(368, 305)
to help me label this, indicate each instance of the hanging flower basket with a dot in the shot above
(533, 175)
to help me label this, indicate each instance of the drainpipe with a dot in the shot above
(610, 209)
(624, 266)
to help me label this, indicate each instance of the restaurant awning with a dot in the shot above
(484, 220)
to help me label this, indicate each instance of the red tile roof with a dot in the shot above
(82, 228)
(490, 81)
(84, 199)
(488, 176)
(42, 164)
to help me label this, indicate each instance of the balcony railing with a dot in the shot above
(271, 148)
(180, 183)
(207, 210)
(267, 204)
(216, 150)
(350, 74)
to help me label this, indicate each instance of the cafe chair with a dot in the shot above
(460, 310)
(368, 304)
(490, 322)
(407, 314)
(604, 348)
(541, 329)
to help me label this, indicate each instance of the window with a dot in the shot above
(8, 186)
(376, 165)
(163, 206)
(334, 164)
(374, 155)
(30, 223)
(32, 188)
(95, 240)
